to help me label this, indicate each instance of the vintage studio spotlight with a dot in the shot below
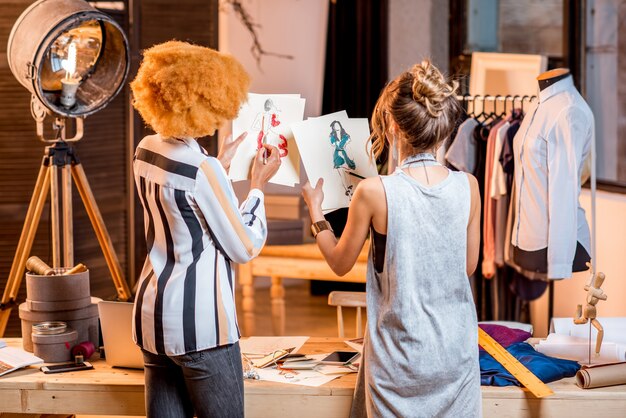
(74, 60)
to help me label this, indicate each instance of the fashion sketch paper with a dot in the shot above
(335, 148)
(267, 119)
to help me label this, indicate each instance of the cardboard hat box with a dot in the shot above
(84, 321)
(55, 348)
(57, 293)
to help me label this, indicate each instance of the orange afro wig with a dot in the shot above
(184, 90)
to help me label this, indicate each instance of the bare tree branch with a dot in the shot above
(256, 49)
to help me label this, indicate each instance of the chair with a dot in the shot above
(352, 300)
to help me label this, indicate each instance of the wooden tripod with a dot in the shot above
(60, 156)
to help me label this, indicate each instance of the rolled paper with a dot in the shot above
(78, 268)
(38, 266)
(589, 377)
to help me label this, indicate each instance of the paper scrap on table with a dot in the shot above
(262, 346)
(303, 377)
(267, 119)
(335, 148)
(322, 374)
(356, 344)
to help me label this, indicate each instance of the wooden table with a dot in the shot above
(108, 391)
(289, 261)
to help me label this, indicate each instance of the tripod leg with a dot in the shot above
(25, 243)
(54, 216)
(68, 230)
(82, 185)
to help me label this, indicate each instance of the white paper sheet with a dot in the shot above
(577, 349)
(267, 118)
(614, 329)
(261, 346)
(12, 358)
(358, 347)
(320, 375)
(335, 148)
(303, 377)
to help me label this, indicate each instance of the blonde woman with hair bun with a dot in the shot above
(421, 350)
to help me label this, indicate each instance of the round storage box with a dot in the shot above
(54, 348)
(84, 321)
(57, 293)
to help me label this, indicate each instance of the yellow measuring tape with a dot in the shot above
(517, 369)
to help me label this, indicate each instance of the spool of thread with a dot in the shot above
(84, 349)
(38, 266)
(78, 268)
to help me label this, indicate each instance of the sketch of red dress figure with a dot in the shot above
(265, 122)
(344, 165)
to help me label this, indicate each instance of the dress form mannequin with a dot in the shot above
(541, 156)
(550, 77)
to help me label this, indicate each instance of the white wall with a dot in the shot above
(601, 80)
(418, 29)
(296, 28)
(611, 259)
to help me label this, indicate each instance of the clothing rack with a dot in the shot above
(513, 99)
(498, 97)
(495, 99)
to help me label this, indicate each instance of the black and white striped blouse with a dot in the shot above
(194, 232)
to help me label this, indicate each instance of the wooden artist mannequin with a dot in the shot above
(594, 295)
(550, 77)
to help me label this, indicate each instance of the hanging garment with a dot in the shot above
(420, 352)
(506, 157)
(527, 285)
(547, 369)
(499, 196)
(550, 149)
(489, 204)
(462, 152)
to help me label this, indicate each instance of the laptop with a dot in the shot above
(117, 336)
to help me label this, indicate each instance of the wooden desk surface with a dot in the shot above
(107, 390)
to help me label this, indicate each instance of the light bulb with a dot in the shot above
(69, 84)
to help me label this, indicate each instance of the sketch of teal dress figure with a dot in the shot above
(340, 156)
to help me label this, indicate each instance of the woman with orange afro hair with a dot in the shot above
(184, 316)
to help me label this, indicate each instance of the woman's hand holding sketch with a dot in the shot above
(228, 149)
(313, 197)
(262, 171)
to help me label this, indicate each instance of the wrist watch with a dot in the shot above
(319, 226)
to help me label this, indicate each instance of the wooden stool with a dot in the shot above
(348, 299)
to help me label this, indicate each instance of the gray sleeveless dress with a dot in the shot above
(421, 354)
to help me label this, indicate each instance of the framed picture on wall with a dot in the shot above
(505, 74)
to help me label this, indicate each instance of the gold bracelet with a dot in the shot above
(319, 226)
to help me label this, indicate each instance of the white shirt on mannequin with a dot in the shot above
(550, 149)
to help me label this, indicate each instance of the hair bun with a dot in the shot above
(430, 88)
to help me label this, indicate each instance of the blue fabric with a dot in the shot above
(547, 369)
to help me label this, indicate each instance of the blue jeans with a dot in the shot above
(207, 382)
